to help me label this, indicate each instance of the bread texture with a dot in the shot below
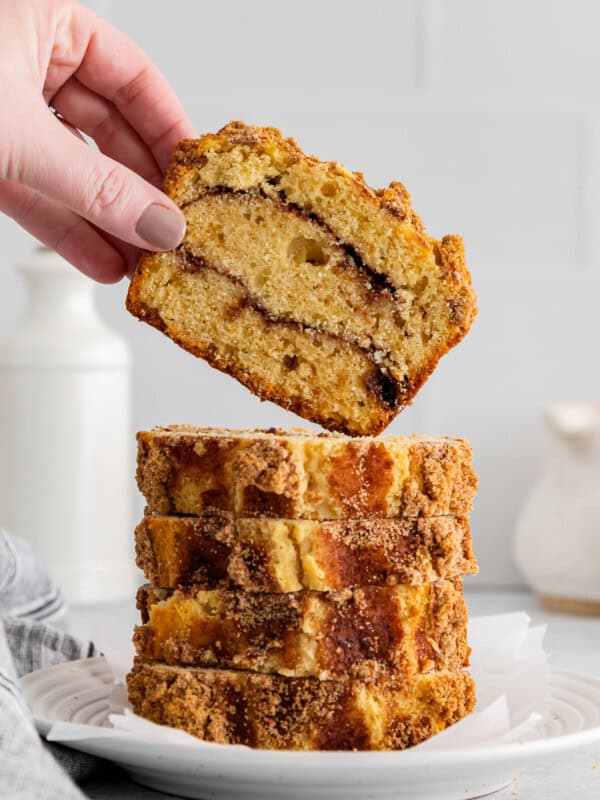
(311, 288)
(302, 475)
(359, 632)
(275, 712)
(262, 554)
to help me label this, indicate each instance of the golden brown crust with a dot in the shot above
(272, 555)
(278, 156)
(361, 632)
(199, 471)
(274, 712)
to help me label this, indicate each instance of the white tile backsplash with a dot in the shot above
(589, 172)
(547, 47)
(471, 103)
(316, 46)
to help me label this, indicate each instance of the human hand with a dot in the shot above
(94, 208)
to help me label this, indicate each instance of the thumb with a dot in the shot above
(103, 191)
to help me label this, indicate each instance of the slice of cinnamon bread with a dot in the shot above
(279, 713)
(299, 474)
(360, 632)
(263, 554)
(312, 289)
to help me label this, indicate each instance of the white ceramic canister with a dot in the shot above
(557, 543)
(65, 434)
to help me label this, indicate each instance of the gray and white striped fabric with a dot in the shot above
(32, 636)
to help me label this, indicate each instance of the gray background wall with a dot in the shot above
(488, 111)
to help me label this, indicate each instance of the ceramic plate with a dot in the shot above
(80, 691)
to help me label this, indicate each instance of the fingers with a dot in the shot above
(104, 123)
(114, 67)
(129, 253)
(63, 231)
(96, 187)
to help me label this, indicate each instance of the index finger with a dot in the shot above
(116, 68)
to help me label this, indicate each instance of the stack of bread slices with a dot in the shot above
(304, 589)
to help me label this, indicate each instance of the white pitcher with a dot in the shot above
(557, 544)
(65, 438)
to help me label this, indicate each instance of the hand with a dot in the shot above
(94, 208)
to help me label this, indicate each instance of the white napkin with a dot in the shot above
(508, 664)
(512, 679)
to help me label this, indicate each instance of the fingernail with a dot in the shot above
(161, 227)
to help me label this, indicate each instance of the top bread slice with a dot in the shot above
(311, 288)
(297, 474)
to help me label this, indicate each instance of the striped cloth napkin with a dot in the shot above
(32, 636)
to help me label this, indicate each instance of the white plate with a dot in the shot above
(79, 692)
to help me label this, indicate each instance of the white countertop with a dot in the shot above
(572, 642)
